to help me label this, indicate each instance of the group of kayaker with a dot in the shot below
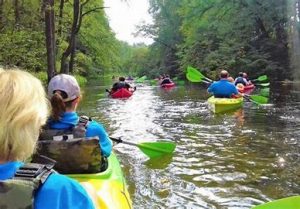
(227, 87)
(23, 112)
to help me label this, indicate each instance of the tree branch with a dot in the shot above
(93, 10)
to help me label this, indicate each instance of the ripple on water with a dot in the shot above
(225, 161)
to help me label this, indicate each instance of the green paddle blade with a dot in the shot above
(153, 82)
(259, 99)
(156, 149)
(265, 92)
(141, 79)
(194, 72)
(263, 84)
(285, 203)
(261, 78)
(193, 77)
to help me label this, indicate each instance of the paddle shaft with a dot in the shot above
(247, 97)
(137, 145)
(124, 142)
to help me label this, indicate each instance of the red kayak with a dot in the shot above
(122, 93)
(167, 85)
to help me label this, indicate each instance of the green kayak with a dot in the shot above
(107, 189)
(285, 203)
(219, 105)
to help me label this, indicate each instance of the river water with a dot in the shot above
(234, 160)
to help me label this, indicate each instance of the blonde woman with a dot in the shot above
(23, 110)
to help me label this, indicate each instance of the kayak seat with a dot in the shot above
(72, 156)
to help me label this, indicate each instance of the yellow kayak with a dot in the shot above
(219, 105)
(107, 189)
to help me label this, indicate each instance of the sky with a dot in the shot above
(124, 16)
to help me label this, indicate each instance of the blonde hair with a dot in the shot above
(23, 110)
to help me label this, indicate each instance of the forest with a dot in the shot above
(73, 36)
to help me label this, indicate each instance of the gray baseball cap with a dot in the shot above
(66, 83)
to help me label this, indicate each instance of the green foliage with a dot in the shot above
(22, 39)
(246, 36)
(249, 36)
(42, 76)
(81, 80)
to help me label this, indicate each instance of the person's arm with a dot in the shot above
(127, 85)
(96, 129)
(115, 87)
(211, 88)
(236, 93)
(246, 82)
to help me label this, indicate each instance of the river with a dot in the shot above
(225, 161)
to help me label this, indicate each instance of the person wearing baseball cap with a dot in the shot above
(23, 110)
(64, 95)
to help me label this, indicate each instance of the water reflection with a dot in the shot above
(232, 160)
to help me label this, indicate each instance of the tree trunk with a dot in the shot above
(60, 17)
(67, 52)
(72, 58)
(50, 37)
(261, 28)
(17, 13)
(1, 14)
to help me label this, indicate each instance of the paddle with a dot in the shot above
(108, 91)
(257, 99)
(262, 84)
(194, 75)
(261, 78)
(194, 78)
(264, 92)
(151, 149)
(285, 203)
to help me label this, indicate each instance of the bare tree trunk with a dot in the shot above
(80, 19)
(17, 13)
(1, 14)
(72, 57)
(261, 28)
(77, 21)
(50, 37)
(72, 37)
(60, 18)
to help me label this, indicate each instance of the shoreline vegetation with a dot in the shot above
(218, 35)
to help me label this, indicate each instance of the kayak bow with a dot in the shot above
(107, 189)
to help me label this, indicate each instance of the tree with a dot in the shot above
(50, 37)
